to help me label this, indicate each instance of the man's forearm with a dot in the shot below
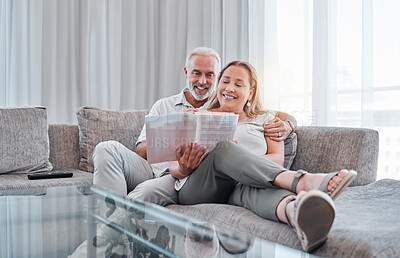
(141, 149)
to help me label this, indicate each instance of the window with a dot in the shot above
(339, 64)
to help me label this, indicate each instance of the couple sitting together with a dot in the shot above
(248, 172)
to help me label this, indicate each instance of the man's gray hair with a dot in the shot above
(204, 51)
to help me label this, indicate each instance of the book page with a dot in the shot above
(213, 127)
(165, 133)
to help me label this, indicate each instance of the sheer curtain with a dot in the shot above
(334, 63)
(112, 54)
(17, 230)
(109, 54)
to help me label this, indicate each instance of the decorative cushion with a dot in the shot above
(290, 150)
(96, 125)
(24, 142)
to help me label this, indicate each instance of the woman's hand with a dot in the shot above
(187, 161)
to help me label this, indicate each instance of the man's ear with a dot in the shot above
(185, 70)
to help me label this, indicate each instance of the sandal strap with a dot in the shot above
(339, 185)
(296, 179)
(325, 182)
(291, 199)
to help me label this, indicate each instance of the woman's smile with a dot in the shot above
(229, 97)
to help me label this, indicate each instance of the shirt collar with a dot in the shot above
(181, 99)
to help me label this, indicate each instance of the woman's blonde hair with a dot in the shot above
(255, 107)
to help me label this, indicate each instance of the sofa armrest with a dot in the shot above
(64, 146)
(328, 149)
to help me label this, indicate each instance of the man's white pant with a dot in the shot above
(122, 170)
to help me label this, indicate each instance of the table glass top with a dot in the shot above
(94, 222)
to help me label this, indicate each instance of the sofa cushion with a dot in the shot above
(290, 150)
(97, 125)
(20, 181)
(24, 143)
(367, 222)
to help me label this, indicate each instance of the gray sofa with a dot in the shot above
(367, 213)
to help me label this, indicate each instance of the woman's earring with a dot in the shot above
(248, 103)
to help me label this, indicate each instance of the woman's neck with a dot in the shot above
(243, 117)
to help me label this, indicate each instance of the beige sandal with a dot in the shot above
(312, 216)
(344, 181)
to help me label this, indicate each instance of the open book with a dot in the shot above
(165, 133)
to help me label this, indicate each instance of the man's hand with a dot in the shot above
(191, 158)
(277, 130)
(191, 110)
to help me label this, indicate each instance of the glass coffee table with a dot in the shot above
(94, 222)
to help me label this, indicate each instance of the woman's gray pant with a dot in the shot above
(231, 174)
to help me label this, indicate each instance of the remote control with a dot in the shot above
(45, 175)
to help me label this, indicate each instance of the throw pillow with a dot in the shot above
(97, 125)
(24, 140)
(290, 150)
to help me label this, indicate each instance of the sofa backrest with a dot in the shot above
(329, 149)
(64, 146)
(319, 149)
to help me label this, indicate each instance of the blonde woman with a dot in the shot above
(250, 173)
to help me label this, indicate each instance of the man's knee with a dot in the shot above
(104, 155)
(106, 147)
(105, 150)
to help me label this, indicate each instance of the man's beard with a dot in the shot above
(194, 94)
